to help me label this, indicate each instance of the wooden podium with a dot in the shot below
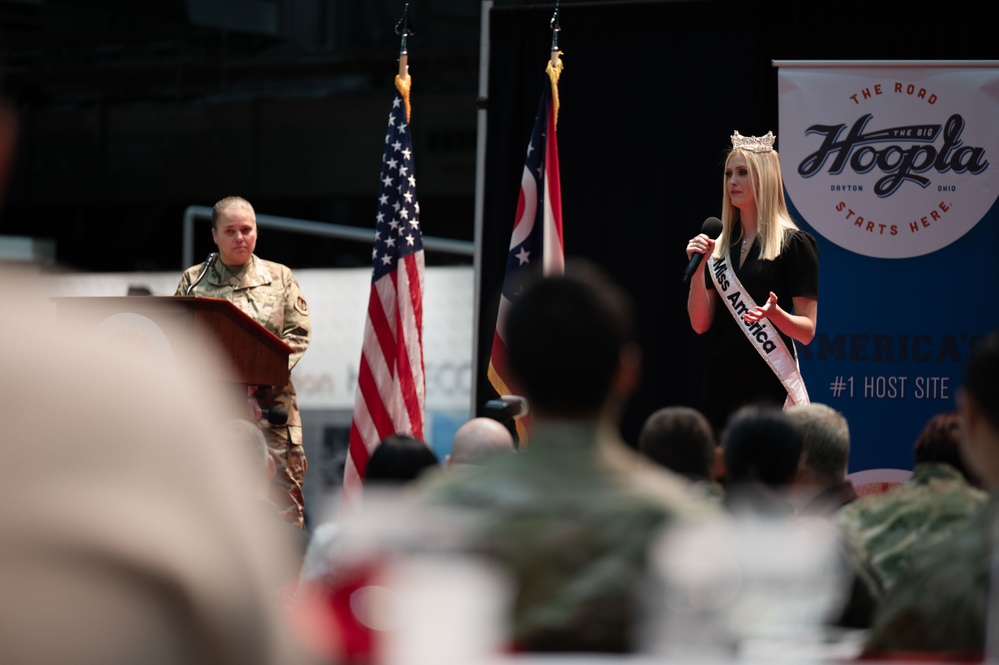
(177, 324)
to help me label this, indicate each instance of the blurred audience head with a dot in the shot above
(680, 438)
(138, 290)
(762, 449)
(978, 402)
(570, 345)
(477, 440)
(825, 436)
(398, 459)
(940, 442)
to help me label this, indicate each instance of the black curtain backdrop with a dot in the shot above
(650, 93)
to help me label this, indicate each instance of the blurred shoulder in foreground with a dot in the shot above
(124, 530)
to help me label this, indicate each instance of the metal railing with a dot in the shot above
(326, 230)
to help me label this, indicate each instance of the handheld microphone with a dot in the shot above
(711, 227)
(204, 271)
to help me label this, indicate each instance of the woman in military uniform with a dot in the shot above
(269, 294)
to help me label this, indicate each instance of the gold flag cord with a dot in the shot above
(554, 70)
(403, 82)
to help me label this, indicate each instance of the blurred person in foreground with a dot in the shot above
(571, 516)
(681, 439)
(394, 466)
(269, 294)
(763, 449)
(398, 460)
(940, 602)
(345, 554)
(477, 440)
(820, 484)
(396, 463)
(936, 500)
(249, 441)
(124, 532)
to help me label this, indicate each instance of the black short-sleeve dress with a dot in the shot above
(736, 374)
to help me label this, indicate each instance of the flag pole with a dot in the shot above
(404, 29)
(554, 67)
(390, 397)
(556, 28)
(536, 243)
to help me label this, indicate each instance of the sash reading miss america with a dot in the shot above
(761, 334)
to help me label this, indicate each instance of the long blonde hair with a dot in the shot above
(772, 216)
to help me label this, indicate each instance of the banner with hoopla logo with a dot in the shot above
(894, 167)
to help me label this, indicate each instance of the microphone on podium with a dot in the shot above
(276, 415)
(711, 227)
(201, 274)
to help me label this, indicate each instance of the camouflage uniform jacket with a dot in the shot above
(570, 518)
(269, 294)
(939, 604)
(891, 526)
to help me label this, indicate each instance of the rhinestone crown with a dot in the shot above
(763, 143)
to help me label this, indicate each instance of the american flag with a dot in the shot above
(536, 241)
(391, 387)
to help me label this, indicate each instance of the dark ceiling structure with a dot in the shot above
(89, 51)
(131, 111)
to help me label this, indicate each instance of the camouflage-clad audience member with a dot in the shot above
(939, 603)
(572, 515)
(935, 501)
